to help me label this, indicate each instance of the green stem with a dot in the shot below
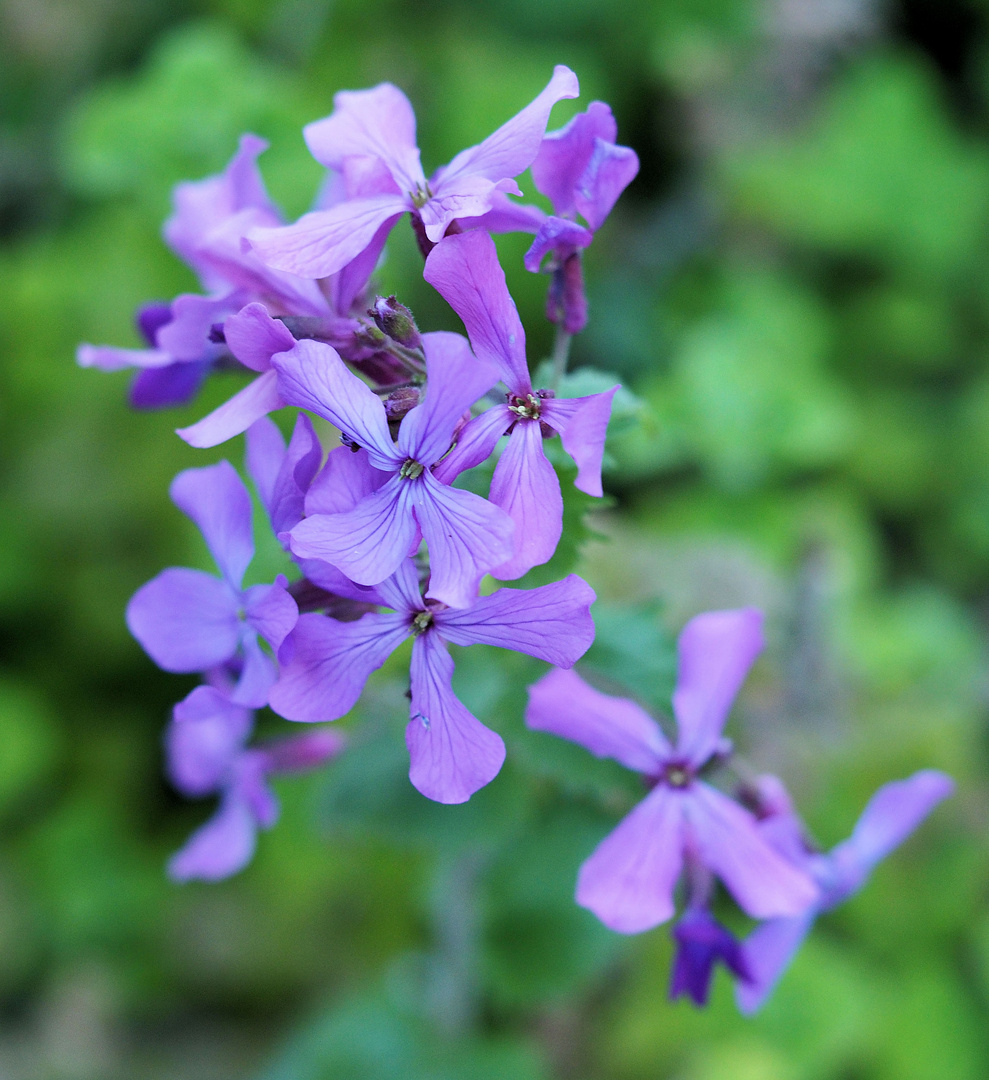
(561, 353)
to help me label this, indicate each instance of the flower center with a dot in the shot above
(420, 196)
(421, 622)
(527, 407)
(677, 775)
(411, 469)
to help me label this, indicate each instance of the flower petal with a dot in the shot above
(512, 148)
(109, 358)
(583, 426)
(345, 479)
(207, 732)
(221, 847)
(257, 673)
(767, 952)
(284, 493)
(366, 543)
(476, 441)
(564, 154)
(186, 336)
(552, 622)
(890, 817)
(467, 536)
(727, 840)
(526, 487)
(234, 417)
(628, 881)
(271, 611)
(452, 754)
(377, 123)
(716, 650)
(253, 336)
(265, 453)
(312, 376)
(303, 752)
(163, 387)
(185, 620)
(559, 236)
(464, 269)
(505, 216)
(401, 591)
(454, 381)
(609, 172)
(217, 501)
(330, 661)
(610, 727)
(325, 241)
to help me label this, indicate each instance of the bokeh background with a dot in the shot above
(795, 291)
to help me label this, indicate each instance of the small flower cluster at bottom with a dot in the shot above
(685, 827)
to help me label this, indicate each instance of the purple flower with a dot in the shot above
(370, 138)
(701, 941)
(628, 881)
(325, 664)
(187, 620)
(581, 171)
(467, 535)
(890, 817)
(207, 754)
(282, 475)
(192, 334)
(465, 270)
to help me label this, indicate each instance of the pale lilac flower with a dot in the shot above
(701, 942)
(628, 881)
(325, 664)
(207, 754)
(581, 171)
(370, 138)
(187, 620)
(890, 817)
(465, 270)
(466, 534)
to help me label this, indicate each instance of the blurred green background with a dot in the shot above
(795, 288)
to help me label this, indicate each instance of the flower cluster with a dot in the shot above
(385, 547)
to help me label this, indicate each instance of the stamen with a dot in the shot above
(528, 407)
(411, 470)
(421, 622)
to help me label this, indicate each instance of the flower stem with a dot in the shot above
(561, 353)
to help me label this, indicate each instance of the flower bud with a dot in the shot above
(395, 320)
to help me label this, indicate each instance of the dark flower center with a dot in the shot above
(678, 775)
(527, 406)
(421, 622)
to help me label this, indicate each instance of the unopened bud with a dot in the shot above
(395, 320)
(401, 401)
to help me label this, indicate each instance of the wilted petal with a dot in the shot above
(610, 727)
(221, 847)
(312, 376)
(628, 881)
(185, 620)
(716, 650)
(234, 417)
(583, 427)
(452, 754)
(727, 841)
(217, 501)
(556, 236)
(330, 662)
(253, 336)
(475, 443)
(464, 269)
(552, 622)
(890, 817)
(161, 388)
(466, 534)
(512, 148)
(271, 611)
(366, 543)
(609, 172)
(526, 487)
(375, 124)
(325, 241)
(564, 154)
(767, 952)
(454, 381)
(345, 479)
(207, 733)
